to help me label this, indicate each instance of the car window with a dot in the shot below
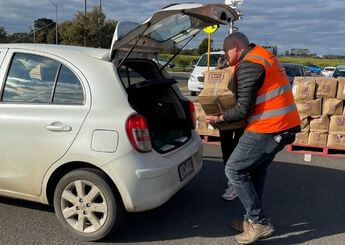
(30, 79)
(293, 71)
(213, 60)
(138, 71)
(68, 88)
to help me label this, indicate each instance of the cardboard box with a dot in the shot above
(305, 126)
(336, 139)
(326, 87)
(309, 108)
(317, 139)
(337, 124)
(302, 138)
(201, 127)
(219, 91)
(211, 131)
(303, 88)
(341, 88)
(332, 107)
(320, 124)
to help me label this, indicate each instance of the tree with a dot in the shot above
(43, 27)
(3, 35)
(203, 46)
(92, 26)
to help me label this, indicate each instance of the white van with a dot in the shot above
(196, 79)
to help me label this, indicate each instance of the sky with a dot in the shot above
(318, 25)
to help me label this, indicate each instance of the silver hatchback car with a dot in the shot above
(99, 133)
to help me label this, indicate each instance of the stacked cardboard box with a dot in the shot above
(320, 103)
(218, 94)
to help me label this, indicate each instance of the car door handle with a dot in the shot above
(58, 127)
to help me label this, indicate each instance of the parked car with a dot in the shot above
(196, 79)
(294, 70)
(98, 133)
(339, 71)
(315, 69)
(328, 71)
(307, 71)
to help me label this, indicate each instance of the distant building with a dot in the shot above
(272, 49)
(299, 52)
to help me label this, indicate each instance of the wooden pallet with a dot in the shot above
(316, 150)
(213, 140)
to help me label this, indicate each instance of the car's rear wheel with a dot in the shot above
(86, 205)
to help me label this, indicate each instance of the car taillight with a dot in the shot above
(192, 114)
(138, 133)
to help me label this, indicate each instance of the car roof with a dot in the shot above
(341, 66)
(97, 53)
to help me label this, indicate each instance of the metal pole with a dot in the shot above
(231, 27)
(100, 5)
(34, 32)
(56, 26)
(85, 15)
(56, 22)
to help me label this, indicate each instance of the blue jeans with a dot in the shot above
(246, 171)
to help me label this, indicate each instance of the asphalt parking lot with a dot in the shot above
(305, 201)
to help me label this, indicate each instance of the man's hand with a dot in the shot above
(215, 119)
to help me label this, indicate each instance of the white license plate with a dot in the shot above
(185, 169)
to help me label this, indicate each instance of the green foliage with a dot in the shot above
(183, 62)
(3, 35)
(309, 60)
(92, 26)
(43, 28)
(203, 46)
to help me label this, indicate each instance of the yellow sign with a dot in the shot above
(210, 29)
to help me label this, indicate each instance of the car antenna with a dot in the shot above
(178, 51)
(131, 50)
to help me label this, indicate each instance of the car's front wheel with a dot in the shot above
(86, 205)
(193, 93)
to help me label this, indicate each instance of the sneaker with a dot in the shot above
(240, 225)
(230, 194)
(254, 232)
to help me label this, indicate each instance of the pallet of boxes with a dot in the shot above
(320, 103)
(218, 94)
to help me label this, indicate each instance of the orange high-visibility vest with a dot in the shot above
(275, 109)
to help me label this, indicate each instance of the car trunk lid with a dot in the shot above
(169, 26)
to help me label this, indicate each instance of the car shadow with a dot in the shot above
(27, 204)
(304, 202)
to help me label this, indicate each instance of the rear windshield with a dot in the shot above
(213, 60)
(135, 72)
(293, 71)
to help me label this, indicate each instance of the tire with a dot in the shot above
(193, 93)
(86, 206)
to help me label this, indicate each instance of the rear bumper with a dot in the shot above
(146, 181)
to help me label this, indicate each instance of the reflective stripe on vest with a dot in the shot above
(275, 109)
(273, 113)
(272, 94)
(259, 58)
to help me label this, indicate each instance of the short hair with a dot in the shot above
(238, 38)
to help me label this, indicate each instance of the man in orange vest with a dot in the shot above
(265, 100)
